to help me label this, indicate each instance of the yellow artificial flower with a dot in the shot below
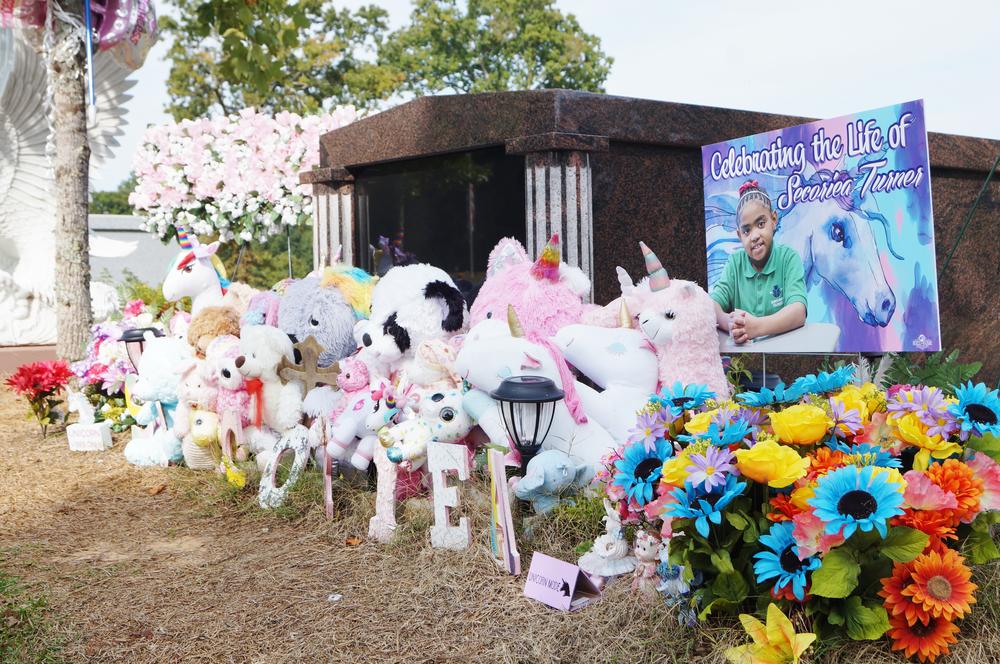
(675, 469)
(771, 463)
(852, 398)
(874, 398)
(774, 643)
(699, 423)
(801, 424)
(892, 475)
(801, 495)
(914, 432)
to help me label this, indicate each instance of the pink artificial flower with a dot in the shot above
(810, 535)
(922, 494)
(134, 308)
(891, 392)
(988, 471)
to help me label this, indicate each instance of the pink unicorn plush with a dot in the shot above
(678, 318)
(546, 294)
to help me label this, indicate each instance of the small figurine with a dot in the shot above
(548, 475)
(610, 554)
(647, 554)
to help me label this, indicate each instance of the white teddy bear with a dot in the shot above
(275, 406)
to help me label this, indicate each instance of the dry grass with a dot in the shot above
(196, 572)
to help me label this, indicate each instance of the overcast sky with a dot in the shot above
(799, 58)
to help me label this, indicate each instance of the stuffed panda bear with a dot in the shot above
(410, 304)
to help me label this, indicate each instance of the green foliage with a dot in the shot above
(494, 45)
(737, 373)
(937, 370)
(113, 202)
(904, 544)
(133, 288)
(264, 265)
(24, 630)
(979, 546)
(837, 576)
(275, 55)
(865, 622)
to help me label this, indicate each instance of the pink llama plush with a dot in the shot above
(232, 402)
(678, 318)
(546, 294)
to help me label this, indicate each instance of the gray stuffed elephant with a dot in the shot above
(548, 475)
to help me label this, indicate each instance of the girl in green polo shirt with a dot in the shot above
(762, 290)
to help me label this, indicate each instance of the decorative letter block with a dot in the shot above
(383, 524)
(444, 458)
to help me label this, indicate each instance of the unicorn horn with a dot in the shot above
(184, 239)
(512, 321)
(624, 317)
(658, 279)
(547, 265)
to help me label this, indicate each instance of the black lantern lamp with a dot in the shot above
(527, 405)
(135, 341)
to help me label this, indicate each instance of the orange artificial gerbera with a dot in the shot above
(897, 603)
(941, 584)
(926, 641)
(784, 508)
(937, 524)
(954, 476)
(823, 460)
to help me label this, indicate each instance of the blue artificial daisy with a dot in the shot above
(866, 454)
(684, 397)
(732, 433)
(823, 381)
(694, 503)
(782, 561)
(977, 410)
(638, 471)
(769, 397)
(850, 498)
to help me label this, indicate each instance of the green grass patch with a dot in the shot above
(26, 634)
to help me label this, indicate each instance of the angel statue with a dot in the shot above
(27, 180)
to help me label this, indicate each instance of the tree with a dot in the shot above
(113, 202)
(493, 45)
(275, 55)
(72, 164)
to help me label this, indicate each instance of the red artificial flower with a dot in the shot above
(784, 508)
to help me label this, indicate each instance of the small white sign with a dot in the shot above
(89, 437)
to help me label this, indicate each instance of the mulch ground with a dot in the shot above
(163, 565)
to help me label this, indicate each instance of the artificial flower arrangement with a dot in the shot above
(41, 383)
(231, 176)
(106, 365)
(842, 501)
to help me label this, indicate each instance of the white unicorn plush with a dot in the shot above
(494, 350)
(198, 273)
(619, 360)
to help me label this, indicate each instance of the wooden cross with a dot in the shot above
(309, 371)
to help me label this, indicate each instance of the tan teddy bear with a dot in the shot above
(209, 323)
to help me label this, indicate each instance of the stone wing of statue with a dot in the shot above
(27, 180)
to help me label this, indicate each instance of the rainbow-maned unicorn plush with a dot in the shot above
(197, 273)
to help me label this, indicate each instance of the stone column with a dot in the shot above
(333, 215)
(558, 196)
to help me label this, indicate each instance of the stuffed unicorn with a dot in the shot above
(546, 294)
(198, 273)
(494, 350)
(156, 388)
(621, 362)
(678, 318)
